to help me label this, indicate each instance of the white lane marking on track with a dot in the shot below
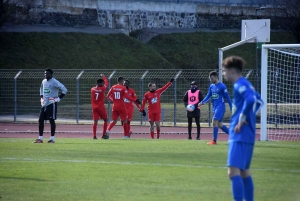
(135, 163)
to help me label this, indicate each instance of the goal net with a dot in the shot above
(280, 89)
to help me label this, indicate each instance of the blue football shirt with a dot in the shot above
(217, 92)
(247, 102)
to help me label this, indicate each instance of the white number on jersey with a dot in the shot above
(97, 94)
(117, 95)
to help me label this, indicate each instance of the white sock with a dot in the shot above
(41, 137)
(52, 138)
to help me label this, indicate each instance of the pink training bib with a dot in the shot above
(193, 98)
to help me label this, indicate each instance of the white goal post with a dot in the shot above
(280, 90)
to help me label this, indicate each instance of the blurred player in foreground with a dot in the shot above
(154, 108)
(129, 105)
(217, 91)
(49, 99)
(116, 94)
(98, 108)
(246, 104)
(193, 97)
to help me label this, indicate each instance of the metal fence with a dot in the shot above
(20, 100)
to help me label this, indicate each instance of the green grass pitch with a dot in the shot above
(140, 169)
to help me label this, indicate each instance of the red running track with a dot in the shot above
(11, 130)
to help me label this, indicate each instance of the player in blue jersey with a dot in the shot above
(246, 104)
(217, 92)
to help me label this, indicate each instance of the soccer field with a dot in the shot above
(140, 169)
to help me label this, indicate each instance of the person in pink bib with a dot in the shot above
(193, 97)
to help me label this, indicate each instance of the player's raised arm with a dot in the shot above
(227, 97)
(207, 97)
(249, 100)
(136, 104)
(105, 81)
(163, 89)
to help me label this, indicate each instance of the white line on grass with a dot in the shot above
(134, 163)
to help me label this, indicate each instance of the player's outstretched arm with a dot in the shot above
(109, 94)
(143, 102)
(63, 91)
(163, 89)
(207, 97)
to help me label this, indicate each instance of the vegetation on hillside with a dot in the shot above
(118, 51)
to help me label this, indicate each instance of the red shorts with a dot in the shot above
(153, 117)
(119, 113)
(99, 113)
(130, 112)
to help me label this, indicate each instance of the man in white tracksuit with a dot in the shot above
(49, 98)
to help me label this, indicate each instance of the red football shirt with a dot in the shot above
(97, 95)
(129, 103)
(153, 99)
(117, 93)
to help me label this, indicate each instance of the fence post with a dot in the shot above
(109, 85)
(209, 108)
(77, 96)
(175, 95)
(15, 95)
(142, 92)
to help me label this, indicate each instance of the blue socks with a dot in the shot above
(237, 188)
(225, 129)
(215, 133)
(248, 188)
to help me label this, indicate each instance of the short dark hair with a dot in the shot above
(49, 70)
(235, 62)
(120, 78)
(127, 81)
(150, 84)
(213, 73)
(100, 81)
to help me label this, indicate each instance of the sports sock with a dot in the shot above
(111, 125)
(128, 127)
(41, 137)
(94, 129)
(52, 138)
(237, 188)
(152, 134)
(248, 188)
(125, 126)
(225, 129)
(104, 127)
(158, 134)
(53, 127)
(215, 133)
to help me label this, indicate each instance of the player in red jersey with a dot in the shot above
(129, 105)
(98, 108)
(154, 109)
(116, 94)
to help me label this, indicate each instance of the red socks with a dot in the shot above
(152, 134)
(125, 126)
(94, 129)
(158, 134)
(111, 125)
(104, 127)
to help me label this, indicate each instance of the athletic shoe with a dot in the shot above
(51, 141)
(103, 137)
(95, 138)
(126, 137)
(198, 138)
(189, 138)
(107, 133)
(38, 141)
(212, 143)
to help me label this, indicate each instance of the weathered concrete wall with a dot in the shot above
(129, 16)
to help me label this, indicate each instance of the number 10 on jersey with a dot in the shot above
(117, 95)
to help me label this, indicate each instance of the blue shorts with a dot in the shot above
(219, 113)
(240, 155)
